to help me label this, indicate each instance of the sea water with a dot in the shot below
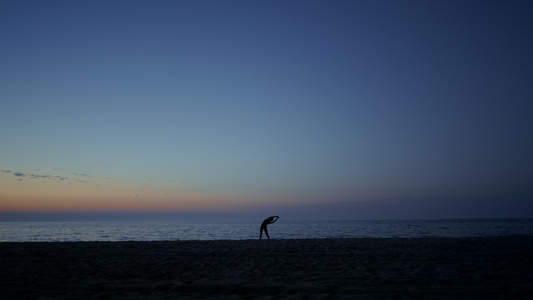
(172, 231)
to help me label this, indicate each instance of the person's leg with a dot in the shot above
(266, 232)
(261, 232)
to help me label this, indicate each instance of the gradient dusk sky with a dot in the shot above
(304, 109)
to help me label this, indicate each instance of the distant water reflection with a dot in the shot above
(163, 231)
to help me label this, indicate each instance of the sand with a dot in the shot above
(432, 268)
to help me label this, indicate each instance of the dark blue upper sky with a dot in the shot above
(369, 103)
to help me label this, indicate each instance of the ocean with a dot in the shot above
(173, 231)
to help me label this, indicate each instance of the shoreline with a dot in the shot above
(362, 268)
(275, 240)
(519, 236)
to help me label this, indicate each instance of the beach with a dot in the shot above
(388, 268)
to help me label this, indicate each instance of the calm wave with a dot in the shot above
(163, 231)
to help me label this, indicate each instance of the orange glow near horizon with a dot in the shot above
(42, 196)
(49, 193)
(112, 202)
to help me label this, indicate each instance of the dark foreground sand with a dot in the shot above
(433, 268)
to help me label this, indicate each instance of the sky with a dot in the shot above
(303, 109)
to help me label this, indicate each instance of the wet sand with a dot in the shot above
(421, 268)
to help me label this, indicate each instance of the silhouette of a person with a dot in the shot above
(267, 221)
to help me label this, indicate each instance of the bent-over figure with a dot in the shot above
(267, 221)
